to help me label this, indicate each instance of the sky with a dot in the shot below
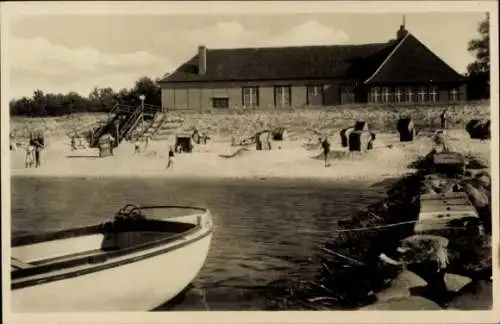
(63, 53)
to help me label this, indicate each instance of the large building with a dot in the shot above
(400, 71)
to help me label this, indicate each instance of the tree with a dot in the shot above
(99, 100)
(479, 70)
(21, 107)
(39, 104)
(102, 99)
(150, 89)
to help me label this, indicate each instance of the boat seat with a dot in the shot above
(16, 263)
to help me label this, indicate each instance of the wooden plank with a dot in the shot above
(448, 195)
(448, 209)
(446, 216)
(448, 158)
(16, 263)
(438, 210)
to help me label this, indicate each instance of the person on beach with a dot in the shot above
(137, 148)
(38, 152)
(171, 158)
(371, 142)
(443, 117)
(439, 142)
(12, 145)
(29, 158)
(73, 143)
(326, 149)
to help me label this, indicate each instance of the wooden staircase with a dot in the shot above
(155, 126)
(123, 121)
(168, 127)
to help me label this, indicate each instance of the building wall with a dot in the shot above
(331, 94)
(199, 96)
(299, 95)
(266, 97)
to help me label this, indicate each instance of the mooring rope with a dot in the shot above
(360, 229)
(357, 229)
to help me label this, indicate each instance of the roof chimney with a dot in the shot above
(402, 32)
(202, 60)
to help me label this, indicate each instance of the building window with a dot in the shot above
(282, 96)
(422, 94)
(374, 94)
(399, 96)
(409, 95)
(434, 95)
(220, 102)
(454, 95)
(315, 95)
(250, 97)
(386, 95)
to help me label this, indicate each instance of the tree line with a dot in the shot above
(478, 71)
(99, 100)
(103, 99)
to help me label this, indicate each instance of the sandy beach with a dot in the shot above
(291, 158)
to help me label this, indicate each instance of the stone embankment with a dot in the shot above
(426, 246)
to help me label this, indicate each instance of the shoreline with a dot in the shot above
(293, 160)
(289, 159)
(368, 178)
(405, 285)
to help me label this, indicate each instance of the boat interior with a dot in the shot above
(40, 253)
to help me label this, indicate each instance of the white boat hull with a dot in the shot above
(137, 286)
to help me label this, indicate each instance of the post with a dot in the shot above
(142, 97)
(117, 131)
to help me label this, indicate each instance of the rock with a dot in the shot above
(427, 191)
(484, 179)
(433, 181)
(477, 295)
(400, 286)
(477, 198)
(455, 282)
(404, 303)
(424, 248)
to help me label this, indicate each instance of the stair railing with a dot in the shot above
(96, 134)
(129, 124)
(134, 126)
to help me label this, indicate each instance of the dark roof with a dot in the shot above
(306, 62)
(413, 62)
(406, 60)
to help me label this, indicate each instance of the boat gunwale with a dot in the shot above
(22, 276)
(29, 239)
(23, 282)
(56, 265)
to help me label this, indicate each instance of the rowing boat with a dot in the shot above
(137, 261)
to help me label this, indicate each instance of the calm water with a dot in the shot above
(266, 230)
